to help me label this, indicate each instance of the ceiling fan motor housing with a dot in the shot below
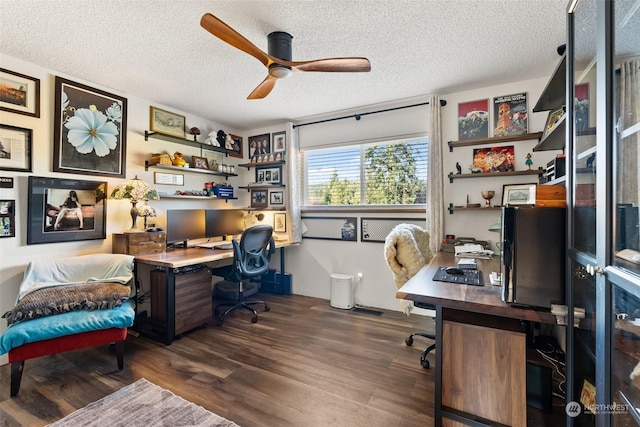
(280, 47)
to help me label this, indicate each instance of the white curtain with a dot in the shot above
(293, 190)
(435, 183)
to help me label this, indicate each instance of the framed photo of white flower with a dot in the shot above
(90, 130)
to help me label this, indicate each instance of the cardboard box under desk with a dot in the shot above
(551, 196)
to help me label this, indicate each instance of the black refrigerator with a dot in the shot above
(533, 255)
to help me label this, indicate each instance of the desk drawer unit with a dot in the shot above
(139, 243)
(192, 296)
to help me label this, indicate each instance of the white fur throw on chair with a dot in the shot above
(406, 251)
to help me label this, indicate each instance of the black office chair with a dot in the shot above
(250, 259)
(409, 340)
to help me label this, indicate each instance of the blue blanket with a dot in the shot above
(63, 324)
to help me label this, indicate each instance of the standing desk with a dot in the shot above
(480, 347)
(172, 263)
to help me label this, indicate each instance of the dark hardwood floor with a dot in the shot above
(303, 364)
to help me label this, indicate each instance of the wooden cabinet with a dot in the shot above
(191, 297)
(138, 243)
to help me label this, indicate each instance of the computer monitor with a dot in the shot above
(185, 224)
(223, 222)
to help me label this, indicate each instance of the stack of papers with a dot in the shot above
(472, 251)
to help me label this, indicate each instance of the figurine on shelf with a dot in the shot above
(221, 137)
(178, 159)
(458, 168)
(211, 139)
(528, 161)
(195, 132)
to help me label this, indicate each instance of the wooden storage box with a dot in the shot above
(139, 243)
(551, 196)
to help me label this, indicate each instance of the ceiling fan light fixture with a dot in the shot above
(279, 71)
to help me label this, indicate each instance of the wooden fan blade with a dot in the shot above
(263, 88)
(332, 65)
(225, 33)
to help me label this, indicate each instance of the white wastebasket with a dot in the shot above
(342, 291)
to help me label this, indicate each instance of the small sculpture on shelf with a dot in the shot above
(178, 160)
(458, 168)
(221, 137)
(211, 139)
(528, 161)
(487, 195)
(195, 132)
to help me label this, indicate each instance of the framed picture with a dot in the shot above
(199, 162)
(236, 148)
(259, 147)
(349, 230)
(510, 115)
(552, 120)
(518, 194)
(269, 175)
(7, 218)
(15, 148)
(19, 93)
(166, 123)
(494, 159)
(65, 210)
(279, 222)
(276, 198)
(89, 131)
(473, 119)
(279, 142)
(259, 199)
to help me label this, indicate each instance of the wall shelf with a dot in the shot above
(554, 140)
(250, 209)
(261, 187)
(553, 95)
(253, 165)
(453, 176)
(180, 196)
(493, 140)
(148, 166)
(186, 142)
(452, 208)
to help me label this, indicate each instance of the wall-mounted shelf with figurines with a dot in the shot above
(453, 176)
(182, 141)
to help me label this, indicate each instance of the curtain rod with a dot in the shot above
(359, 116)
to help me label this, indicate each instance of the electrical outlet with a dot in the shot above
(360, 276)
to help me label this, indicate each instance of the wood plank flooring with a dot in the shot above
(303, 364)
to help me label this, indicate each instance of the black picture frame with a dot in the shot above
(259, 147)
(15, 148)
(270, 175)
(7, 218)
(45, 199)
(259, 199)
(22, 94)
(276, 197)
(76, 105)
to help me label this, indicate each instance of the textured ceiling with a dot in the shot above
(156, 49)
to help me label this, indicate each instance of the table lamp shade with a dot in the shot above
(134, 190)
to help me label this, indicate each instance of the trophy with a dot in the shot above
(487, 195)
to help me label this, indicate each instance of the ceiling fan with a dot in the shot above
(278, 60)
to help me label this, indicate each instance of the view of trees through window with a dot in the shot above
(392, 173)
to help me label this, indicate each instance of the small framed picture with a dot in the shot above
(518, 194)
(276, 198)
(554, 117)
(279, 142)
(259, 147)
(166, 122)
(15, 148)
(259, 199)
(7, 218)
(236, 147)
(269, 175)
(20, 94)
(279, 222)
(199, 162)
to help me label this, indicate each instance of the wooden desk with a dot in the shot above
(186, 300)
(480, 347)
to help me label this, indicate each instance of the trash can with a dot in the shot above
(342, 291)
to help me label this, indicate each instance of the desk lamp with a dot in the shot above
(253, 217)
(134, 189)
(145, 211)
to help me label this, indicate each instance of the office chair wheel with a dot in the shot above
(267, 308)
(409, 341)
(424, 362)
(254, 319)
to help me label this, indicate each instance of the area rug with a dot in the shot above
(142, 404)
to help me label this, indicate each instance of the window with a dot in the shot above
(382, 173)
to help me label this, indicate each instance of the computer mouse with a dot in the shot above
(455, 271)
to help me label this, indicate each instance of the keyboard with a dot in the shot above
(216, 245)
(224, 246)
